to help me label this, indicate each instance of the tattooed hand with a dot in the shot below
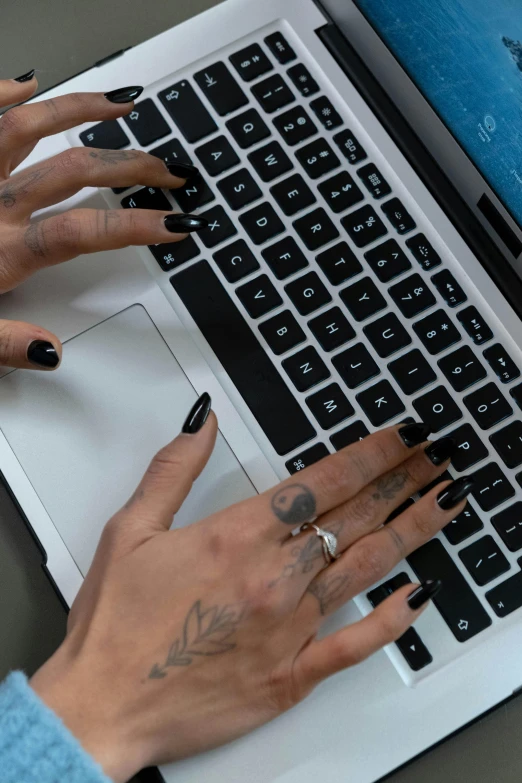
(27, 245)
(181, 640)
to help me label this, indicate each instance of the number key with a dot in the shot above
(364, 226)
(462, 368)
(273, 93)
(388, 261)
(317, 158)
(412, 296)
(341, 192)
(436, 332)
(295, 126)
(251, 62)
(488, 406)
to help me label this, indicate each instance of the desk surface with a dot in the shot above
(61, 38)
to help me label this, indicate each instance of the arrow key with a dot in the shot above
(414, 650)
(146, 122)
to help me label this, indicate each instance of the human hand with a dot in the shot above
(183, 640)
(25, 245)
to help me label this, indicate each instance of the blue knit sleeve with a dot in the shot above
(35, 746)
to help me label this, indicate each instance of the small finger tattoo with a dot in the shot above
(294, 505)
(387, 487)
(329, 591)
(34, 240)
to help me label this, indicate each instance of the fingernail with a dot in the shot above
(424, 593)
(43, 353)
(413, 434)
(124, 94)
(181, 224)
(26, 77)
(441, 450)
(198, 415)
(183, 170)
(455, 493)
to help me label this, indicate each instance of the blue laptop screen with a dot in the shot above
(466, 57)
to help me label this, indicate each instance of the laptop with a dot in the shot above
(361, 174)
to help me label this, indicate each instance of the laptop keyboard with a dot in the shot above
(330, 308)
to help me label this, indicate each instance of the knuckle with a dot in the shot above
(73, 161)
(281, 688)
(64, 231)
(361, 509)
(15, 121)
(7, 342)
(165, 462)
(330, 476)
(369, 561)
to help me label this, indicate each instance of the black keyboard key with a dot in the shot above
(326, 112)
(251, 62)
(516, 393)
(424, 252)
(308, 293)
(350, 147)
(220, 227)
(502, 364)
(147, 198)
(462, 368)
(491, 487)
(316, 229)
(270, 161)
(217, 155)
(295, 126)
(303, 80)
(146, 122)
(456, 601)
(259, 296)
(444, 477)
(293, 195)
(398, 216)
(317, 158)
(437, 408)
(470, 448)
(437, 332)
(488, 406)
(374, 181)
(262, 223)
(363, 299)
(248, 128)
(236, 261)
(330, 406)
(273, 93)
(412, 372)
(448, 288)
(172, 150)
(175, 254)
(307, 458)
(508, 525)
(387, 335)
(508, 443)
(280, 48)
(187, 111)
(275, 408)
(506, 597)
(380, 403)
(306, 369)
(108, 135)
(221, 89)
(464, 526)
(352, 434)
(194, 194)
(364, 226)
(284, 258)
(355, 366)
(484, 560)
(475, 325)
(412, 296)
(388, 261)
(339, 263)
(381, 593)
(340, 192)
(331, 329)
(239, 189)
(282, 332)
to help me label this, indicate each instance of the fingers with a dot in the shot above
(28, 347)
(12, 91)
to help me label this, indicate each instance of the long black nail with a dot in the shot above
(455, 493)
(424, 593)
(124, 94)
(441, 450)
(413, 434)
(183, 224)
(43, 353)
(198, 415)
(183, 170)
(26, 77)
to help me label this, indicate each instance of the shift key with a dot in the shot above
(187, 111)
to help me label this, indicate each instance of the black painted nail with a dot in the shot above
(455, 493)
(183, 224)
(198, 415)
(26, 77)
(183, 170)
(43, 353)
(413, 434)
(441, 450)
(424, 593)
(124, 94)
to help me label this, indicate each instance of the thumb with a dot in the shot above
(28, 347)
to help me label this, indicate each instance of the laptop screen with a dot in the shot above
(466, 57)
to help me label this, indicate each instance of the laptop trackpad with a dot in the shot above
(85, 434)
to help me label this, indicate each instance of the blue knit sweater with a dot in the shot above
(35, 746)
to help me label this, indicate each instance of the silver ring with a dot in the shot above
(329, 541)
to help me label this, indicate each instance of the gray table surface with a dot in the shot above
(61, 38)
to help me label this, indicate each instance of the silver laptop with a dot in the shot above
(361, 173)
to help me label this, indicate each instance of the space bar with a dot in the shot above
(276, 409)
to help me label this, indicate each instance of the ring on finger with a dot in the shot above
(328, 539)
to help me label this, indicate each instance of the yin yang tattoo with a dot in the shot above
(294, 505)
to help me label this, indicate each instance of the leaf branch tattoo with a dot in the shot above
(20, 185)
(205, 633)
(387, 487)
(329, 591)
(294, 505)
